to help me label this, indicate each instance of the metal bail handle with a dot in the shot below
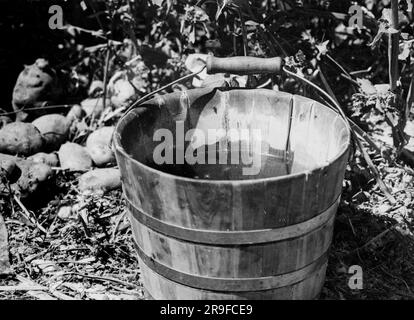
(244, 65)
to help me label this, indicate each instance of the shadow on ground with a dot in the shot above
(385, 254)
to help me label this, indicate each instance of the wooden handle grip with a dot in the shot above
(244, 65)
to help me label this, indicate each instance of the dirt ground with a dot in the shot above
(92, 256)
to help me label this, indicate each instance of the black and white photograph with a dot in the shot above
(206, 150)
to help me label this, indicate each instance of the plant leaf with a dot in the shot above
(367, 87)
(157, 2)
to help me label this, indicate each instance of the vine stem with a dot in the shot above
(65, 106)
(384, 188)
(393, 46)
(338, 65)
(354, 126)
(394, 16)
(410, 96)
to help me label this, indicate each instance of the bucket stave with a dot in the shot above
(263, 238)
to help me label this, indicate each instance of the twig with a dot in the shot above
(36, 287)
(352, 226)
(384, 188)
(118, 222)
(34, 256)
(376, 238)
(367, 138)
(289, 130)
(264, 85)
(410, 96)
(27, 214)
(75, 262)
(354, 73)
(96, 34)
(404, 295)
(102, 46)
(108, 56)
(338, 65)
(37, 108)
(113, 114)
(272, 37)
(41, 295)
(130, 62)
(101, 278)
(327, 86)
(344, 76)
(19, 223)
(22, 288)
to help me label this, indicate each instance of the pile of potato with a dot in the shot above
(36, 84)
(31, 152)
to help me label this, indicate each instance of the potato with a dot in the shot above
(33, 175)
(4, 120)
(29, 175)
(121, 91)
(74, 157)
(75, 113)
(100, 181)
(54, 128)
(21, 139)
(101, 155)
(37, 83)
(44, 266)
(65, 213)
(49, 159)
(7, 167)
(94, 106)
(99, 148)
(96, 87)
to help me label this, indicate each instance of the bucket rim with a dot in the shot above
(132, 115)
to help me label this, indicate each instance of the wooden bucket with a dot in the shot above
(259, 237)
